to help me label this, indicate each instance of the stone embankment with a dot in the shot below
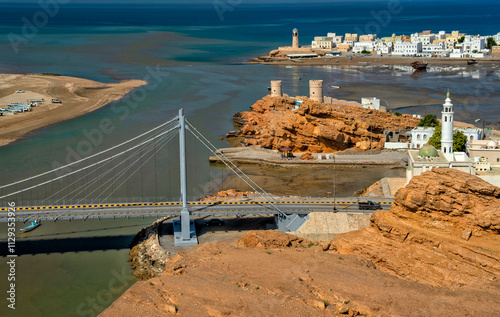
(147, 257)
(324, 226)
(315, 127)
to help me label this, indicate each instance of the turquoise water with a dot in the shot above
(198, 58)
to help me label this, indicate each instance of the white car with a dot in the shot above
(20, 91)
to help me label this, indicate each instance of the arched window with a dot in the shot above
(418, 136)
(445, 119)
(471, 137)
(449, 150)
(444, 150)
(425, 136)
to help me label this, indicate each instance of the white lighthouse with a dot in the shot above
(447, 129)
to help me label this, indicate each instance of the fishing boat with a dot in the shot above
(471, 62)
(33, 225)
(419, 66)
(335, 86)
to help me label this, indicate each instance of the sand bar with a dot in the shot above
(79, 96)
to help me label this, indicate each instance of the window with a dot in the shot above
(445, 119)
(418, 136)
(444, 150)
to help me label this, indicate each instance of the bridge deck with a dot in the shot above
(161, 209)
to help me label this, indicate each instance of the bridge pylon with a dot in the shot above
(184, 230)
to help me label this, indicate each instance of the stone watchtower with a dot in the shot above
(276, 88)
(295, 41)
(447, 129)
(316, 90)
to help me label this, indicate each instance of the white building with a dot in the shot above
(447, 128)
(323, 42)
(371, 103)
(407, 48)
(383, 47)
(337, 39)
(425, 39)
(420, 136)
(363, 46)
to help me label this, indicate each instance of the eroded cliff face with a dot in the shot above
(316, 127)
(435, 253)
(443, 230)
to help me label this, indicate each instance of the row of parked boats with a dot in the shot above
(17, 107)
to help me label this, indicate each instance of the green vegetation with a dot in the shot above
(490, 42)
(365, 52)
(341, 258)
(326, 303)
(461, 39)
(474, 51)
(430, 120)
(397, 113)
(459, 139)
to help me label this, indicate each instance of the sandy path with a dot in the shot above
(79, 96)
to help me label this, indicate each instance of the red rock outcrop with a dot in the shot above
(443, 230)
(316, 127)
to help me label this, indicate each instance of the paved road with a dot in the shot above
(130, 210)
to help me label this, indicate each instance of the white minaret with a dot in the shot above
(447, 128)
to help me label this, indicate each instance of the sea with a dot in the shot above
(194, 56)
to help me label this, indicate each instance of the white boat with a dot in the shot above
(289, 66)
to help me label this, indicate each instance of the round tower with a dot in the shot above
(276, 88)
(447, 128)
(316, 90)
(295, 41)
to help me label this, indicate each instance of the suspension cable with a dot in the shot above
(207, 144)
(88, 157)
(84, 168)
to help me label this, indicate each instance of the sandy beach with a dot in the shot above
(79, 96)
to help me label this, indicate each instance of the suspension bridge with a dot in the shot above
(113, 176)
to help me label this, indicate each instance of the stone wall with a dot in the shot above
(324, 226)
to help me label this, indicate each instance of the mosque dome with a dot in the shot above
(428, 151)
(492, 144)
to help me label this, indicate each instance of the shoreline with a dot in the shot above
(369, 60)
(252, 155)
(79, 96)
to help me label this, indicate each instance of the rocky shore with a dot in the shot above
(435, 253)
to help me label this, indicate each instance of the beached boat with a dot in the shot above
(419, 66)
(471, 62)
(335, 86)
(33, 225)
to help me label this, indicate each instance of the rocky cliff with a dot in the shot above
(316, 127)
(443, 230)
(435, 253)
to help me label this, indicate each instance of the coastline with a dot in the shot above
(79, 96)
(368, 60)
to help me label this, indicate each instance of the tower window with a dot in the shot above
(445, 119)
(444, 150)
